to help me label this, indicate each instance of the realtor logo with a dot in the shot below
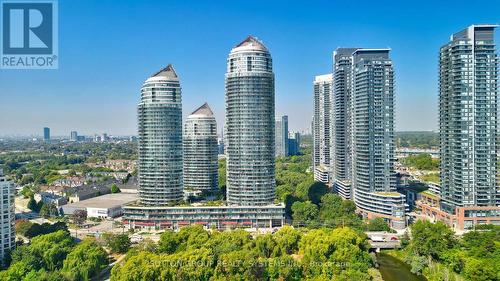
(29, 35)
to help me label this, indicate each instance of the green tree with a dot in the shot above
(115, 189)
(141, 266)
(193, 236)
(86, 260)
(46, 251)
(43, 275)
(118, 243)
(284, 268)
(229, 241)
(454, 259)
(302, 190)
(283, 190)
(316, 191)
(421, 161)
(483, 243)
(222, 177)
(169, 241)
(22, 226)
(79, 217)
(49, 210)
(147, 245)
(480, 270)
(431, 239)
(417, 263)
(305, 212)
(27, 191)
(240, 265)
(287, 241)
(32, 204)
(331, 207)
(193, 264)
(334, 212)
(265, 245)
(45, 228)
(289, 200)
(378, 224)
(326, 253)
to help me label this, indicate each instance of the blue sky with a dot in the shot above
(108, 48)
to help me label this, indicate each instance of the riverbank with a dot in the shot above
(432, 271)
(394, 269)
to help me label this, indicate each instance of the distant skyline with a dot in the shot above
(108, 49)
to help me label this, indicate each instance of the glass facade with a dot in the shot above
(160, 139)
(468, 92)
(250, 135)
(362, 143)
(200, 151)
(373, 121)
(341, 114)
(46, 134)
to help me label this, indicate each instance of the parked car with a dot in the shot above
(136, 238)
(376, 238)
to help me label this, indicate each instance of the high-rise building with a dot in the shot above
(249, 143)
(321, 125)
(200, 151)
(294, 143)
(341, 123)
(373, 174)
(282, 136)
(468, 93)
(7, 229)
(46, 134)
(160, 139)
(104, 137)
(250, 147)
(74, 136)
(220, 145)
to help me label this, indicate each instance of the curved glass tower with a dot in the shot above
(160, 139)
(250, 125)
(200, 150)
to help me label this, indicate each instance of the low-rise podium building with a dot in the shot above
(211, 217)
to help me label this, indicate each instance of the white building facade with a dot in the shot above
(321, 124)
(7, 218)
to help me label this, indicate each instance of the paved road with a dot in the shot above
(105, 226)
(106, 273)
(388, 239)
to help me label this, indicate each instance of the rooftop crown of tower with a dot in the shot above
(167, 72)
(203, 110)
(250, 44)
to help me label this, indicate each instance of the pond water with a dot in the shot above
(393, 269)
